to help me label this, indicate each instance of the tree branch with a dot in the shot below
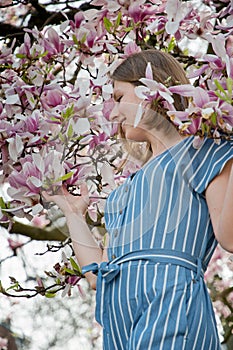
(39, 17)
(36, 233)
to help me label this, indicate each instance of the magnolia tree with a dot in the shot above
(56, 98)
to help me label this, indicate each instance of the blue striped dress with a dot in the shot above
(151, 294)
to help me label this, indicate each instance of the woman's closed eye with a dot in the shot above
(118, 98)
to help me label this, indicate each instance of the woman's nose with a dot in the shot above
(114, 113)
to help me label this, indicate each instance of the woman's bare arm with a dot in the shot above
(219, 196)
(85, 246)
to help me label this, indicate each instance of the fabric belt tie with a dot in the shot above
(109, 270)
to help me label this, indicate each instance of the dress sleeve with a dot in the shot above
(208, 162)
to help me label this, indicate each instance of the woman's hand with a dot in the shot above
(69, 203)
(86, 249)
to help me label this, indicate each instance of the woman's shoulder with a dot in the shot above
(207, 161)
(215, 148)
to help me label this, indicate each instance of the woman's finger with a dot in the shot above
(46, 196)
(64, 189)
(84, 189)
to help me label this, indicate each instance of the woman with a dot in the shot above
(163, 225)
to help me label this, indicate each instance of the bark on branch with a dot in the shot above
(36, 233)
(40, 17)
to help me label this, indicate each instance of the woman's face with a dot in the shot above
(125, 109)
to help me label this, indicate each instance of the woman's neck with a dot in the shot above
(160, 142)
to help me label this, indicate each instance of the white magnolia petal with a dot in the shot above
(33, 140)
(64, 25)
(84, 85)
(82, 126)
(30, 98)
(106, 128)
(35, 181)
(36, 209)
(111, 48)
(149, 73)
(171, 8)
(12, 99)
(12, 210)
(66, 290)
(197, 142)
(166, 96)
(151, 84)
(138, 116)
(86, 140)
(107, 88)
(172, 27)
(108, 175)
(38, 161)
(218, 43)
(141, 91)
(107, 91)
(100, 81)
(15, 147)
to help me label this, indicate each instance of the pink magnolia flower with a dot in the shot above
(203, 107)
(55, 40)
(14, 244)
(4, 3)
(97, 140)
(131, 48)
(32, 122)
(73, 280)
(107, 108)
(152, 90)
(36, 171)
(6, 54)
(78, 19)
(40, 221)
(139, 11)
(53, 96)
(176, 12)
(26, 46)
(40, 282)
(4, 341)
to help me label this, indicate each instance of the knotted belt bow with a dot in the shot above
(109, 270)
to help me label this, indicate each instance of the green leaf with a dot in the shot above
(71, 272)
(61, 137)
(2, 203)
(128, 29)
(214, 118)
(70, 131)
(55, 119)
(68, 112)
(20, 55)
(229, 85)
(15, 286)
(223, 98)
(219, 86)
(50, 295)
(75, 40)
(171, 44)
(64, 177)
(84, 37)
(75, 265)
(118, 20)
(108, 24)
(43, 54)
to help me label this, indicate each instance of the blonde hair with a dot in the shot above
(166, 70)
